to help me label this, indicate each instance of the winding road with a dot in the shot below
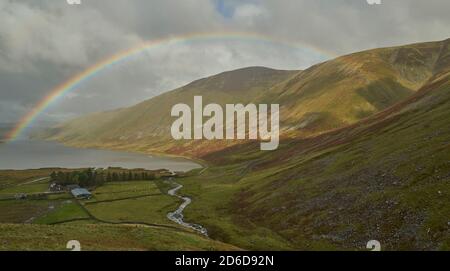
(177, 216)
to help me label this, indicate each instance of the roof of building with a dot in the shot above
(80, 192)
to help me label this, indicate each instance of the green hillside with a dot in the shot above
(16, 237)
(324, 97)
(385, 178)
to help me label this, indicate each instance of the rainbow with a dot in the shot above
(74, 82)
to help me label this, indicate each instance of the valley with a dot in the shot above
(363, 155)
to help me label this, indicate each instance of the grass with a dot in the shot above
(59, 218)
(385, 179)
(212, 195)
(14, 211)
(151, 209)
(102, 237)
(26, 189)
(136, 201)
(13, 177)
(121, 190)
(66, 211)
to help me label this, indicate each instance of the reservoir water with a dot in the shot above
(33, 154)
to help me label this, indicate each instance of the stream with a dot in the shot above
(177, 216)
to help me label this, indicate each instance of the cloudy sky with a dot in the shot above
(45, 42)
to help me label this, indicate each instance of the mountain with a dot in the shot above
(385, 178)
(324, 97)
(146, 126)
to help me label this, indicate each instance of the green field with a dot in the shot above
(134, 201)
(120, 216)
(67, 211)
(121, 190)
(151, 210)
(27, 188)
(115, 202)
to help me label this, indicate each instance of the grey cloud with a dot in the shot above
(45, 42)
(57, 34)
(346, 26)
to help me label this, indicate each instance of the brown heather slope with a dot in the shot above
(385, 178)
(326, 96)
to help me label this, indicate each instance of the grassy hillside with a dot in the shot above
(103, 238)
(385, 178)
(324, 97)
(345, 90)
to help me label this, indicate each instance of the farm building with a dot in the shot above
(81, 193)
